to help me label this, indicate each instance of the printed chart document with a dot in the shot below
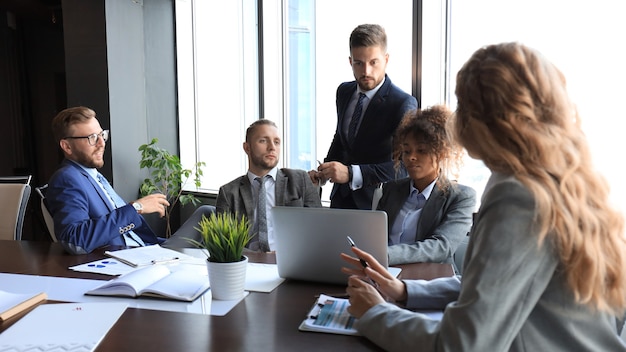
(330, 315)
(182, 282)
(14, 303)
(62, 327)
(148, 255)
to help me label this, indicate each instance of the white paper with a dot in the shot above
(70, 326)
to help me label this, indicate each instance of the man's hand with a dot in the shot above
(154, 203)
(334, 171)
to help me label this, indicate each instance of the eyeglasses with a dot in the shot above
(93, 138)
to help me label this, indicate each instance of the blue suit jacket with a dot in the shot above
(372, 148)
(84, 219)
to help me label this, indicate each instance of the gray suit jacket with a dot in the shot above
(445, 220)
(293, 189)
(513, 295)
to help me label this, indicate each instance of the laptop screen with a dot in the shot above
(309, 240)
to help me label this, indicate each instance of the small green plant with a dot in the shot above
(168, 177)
(223, 236)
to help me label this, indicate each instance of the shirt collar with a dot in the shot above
(370, 93)
(427, 191)
(93, 172)
(272, 173)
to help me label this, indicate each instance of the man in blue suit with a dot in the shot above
(87, 212)
(368, 111)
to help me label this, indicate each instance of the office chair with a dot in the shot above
(13, 203)
(16, 179)
(47, 217)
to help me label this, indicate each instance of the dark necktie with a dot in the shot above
(261, 215)
(130, 237)
(356, 116)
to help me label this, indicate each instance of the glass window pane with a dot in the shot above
(581, 39)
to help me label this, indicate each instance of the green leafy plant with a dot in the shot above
(224, 236)
(167, 176)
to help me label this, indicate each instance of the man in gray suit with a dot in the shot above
(282, 187)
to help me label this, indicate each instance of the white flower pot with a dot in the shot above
(228, 279)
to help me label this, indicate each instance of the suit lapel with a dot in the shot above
(96, 187)
(343, 101)
(246, 194)
(280, 188)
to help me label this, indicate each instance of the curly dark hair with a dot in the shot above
(428, 127)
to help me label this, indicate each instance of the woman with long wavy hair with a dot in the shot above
(546, 261)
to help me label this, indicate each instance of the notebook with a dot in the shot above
(309, 240)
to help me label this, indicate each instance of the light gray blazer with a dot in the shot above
(513, 295)
(445, 220)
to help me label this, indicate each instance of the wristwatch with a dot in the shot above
(137, 207)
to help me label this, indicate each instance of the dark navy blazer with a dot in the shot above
(372, 148)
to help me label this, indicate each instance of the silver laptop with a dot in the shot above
(309, 240)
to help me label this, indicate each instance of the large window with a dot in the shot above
(582, 39)
(283, 60)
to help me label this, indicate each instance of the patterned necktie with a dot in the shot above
(261, 215)
(117, 200)
(132, 239)
(356, 116)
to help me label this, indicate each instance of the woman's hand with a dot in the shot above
(387, 284)
(363, 296)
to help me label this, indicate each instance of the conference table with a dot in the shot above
(260, 322)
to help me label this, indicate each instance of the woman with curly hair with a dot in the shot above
(546, 261)
(428, 214)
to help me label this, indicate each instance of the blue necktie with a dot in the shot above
(356, 116)
(132, 239)
(261, 215)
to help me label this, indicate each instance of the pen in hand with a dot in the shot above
(321, 180)
(363, 262)
(351, 242)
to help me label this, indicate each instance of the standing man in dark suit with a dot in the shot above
(368, 111)
(281, 187)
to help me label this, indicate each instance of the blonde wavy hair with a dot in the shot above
(515, 115)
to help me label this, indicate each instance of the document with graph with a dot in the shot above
(329, 314)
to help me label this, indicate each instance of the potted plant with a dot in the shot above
(224, 237)
(167, 176)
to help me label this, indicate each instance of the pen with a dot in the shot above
(363, 263)
(351, 242)
(321, 181)
(164, 261)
